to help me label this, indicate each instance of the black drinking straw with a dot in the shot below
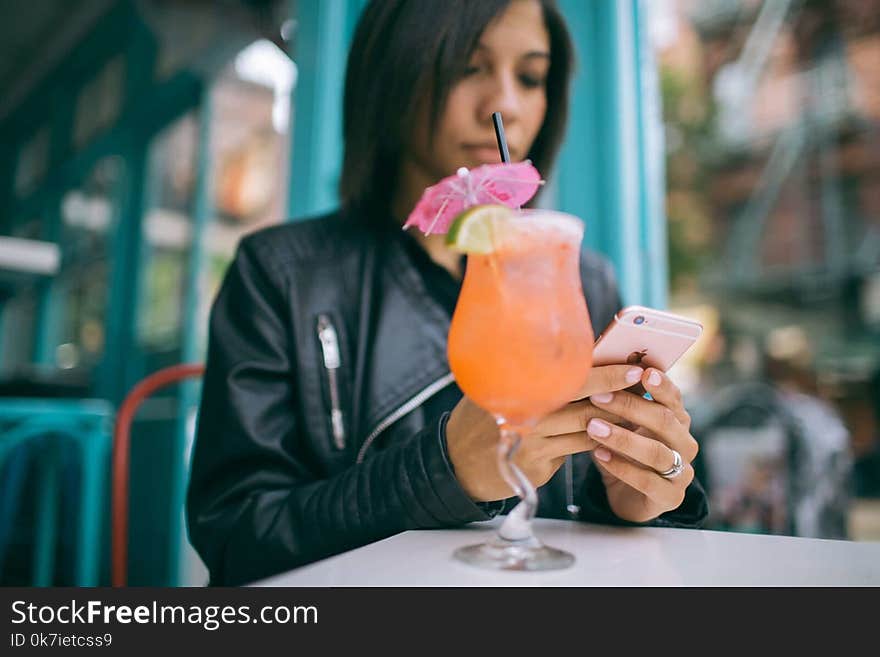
(499, 135)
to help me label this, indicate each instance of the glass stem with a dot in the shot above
(517, 525)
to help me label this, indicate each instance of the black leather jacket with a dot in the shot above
(311, 435)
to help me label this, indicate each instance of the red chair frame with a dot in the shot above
(121, 450)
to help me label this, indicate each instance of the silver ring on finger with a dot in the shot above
(677, 466)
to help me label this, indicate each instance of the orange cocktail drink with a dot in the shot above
(520, 342)
(520, 346)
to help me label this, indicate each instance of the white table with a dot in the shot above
(605, 556)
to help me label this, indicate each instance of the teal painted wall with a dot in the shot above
(610, 170)
(320, 51)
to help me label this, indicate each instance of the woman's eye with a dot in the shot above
(531, 82)
(471, 70)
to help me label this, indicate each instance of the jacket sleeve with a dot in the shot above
(257, 504)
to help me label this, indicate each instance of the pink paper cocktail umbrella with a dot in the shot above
(510, 184)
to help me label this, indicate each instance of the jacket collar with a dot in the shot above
(407, 348)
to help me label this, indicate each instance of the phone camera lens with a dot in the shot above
(639, 320)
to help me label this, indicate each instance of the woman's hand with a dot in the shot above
(630, 460)
(472, 437)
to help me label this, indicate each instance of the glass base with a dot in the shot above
(529, 554)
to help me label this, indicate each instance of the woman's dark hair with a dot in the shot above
(405, 49)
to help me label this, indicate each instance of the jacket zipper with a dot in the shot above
(330, 351)
(410, 405)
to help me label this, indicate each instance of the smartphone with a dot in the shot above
(646, 337)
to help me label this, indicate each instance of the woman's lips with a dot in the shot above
(484, 152)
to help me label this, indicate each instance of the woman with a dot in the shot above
(328, 417)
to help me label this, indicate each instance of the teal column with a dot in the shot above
(652, 164)
(50, 300)
(320, 55)
(8, 165)
(610, 170)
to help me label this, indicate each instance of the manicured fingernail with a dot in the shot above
(602, 454)
(598, 428)
(634, 375)
(654, 379)
(602, 398)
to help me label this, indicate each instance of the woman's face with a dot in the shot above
(507, 72)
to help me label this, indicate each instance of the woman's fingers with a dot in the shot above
(665, 392)
(572, 418)
(653, 416)
(649, 452)
(569, 443)
(609, 378)
(668, 493)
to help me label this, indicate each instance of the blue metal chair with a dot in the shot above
(45, 425)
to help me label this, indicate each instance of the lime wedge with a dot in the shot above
(472, 230)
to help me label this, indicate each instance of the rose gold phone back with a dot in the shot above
(658, 341)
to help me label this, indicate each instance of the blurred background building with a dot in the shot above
(140, 139)
(772, 130)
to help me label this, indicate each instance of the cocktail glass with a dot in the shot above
(520, 346)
